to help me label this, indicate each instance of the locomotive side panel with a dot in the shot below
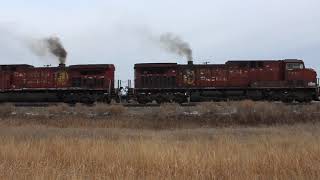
(156, 76)
(202, 76)
(98, 77)
(40, 78)
(235, 74)
(5, 80)
(238, 77)
(211, 76)
(268, 71)
(248, 74)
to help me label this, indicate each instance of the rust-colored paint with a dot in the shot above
(232, 74)
(17, 77)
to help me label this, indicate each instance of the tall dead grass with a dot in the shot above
(272, 153)
(62, 142)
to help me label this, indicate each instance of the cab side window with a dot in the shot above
(293, 66)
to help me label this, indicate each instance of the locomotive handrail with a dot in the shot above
(318, 88)
(109, 90)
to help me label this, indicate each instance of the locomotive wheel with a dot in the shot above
(300, 99)
(107, 100)
(256, 98)
(162, 99)
(70, 99)
(275, 97)
(87, 100)
(308, 99)
(159, 101)
(303, 98)
(179, 98)
(142, 100)
(117, 100)
(288, 99)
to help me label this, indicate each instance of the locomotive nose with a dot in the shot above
(314, 77)
(312, 70)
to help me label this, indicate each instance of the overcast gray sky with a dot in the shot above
(116, 31)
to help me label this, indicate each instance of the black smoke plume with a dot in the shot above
(49, 46)
(56, 48)
(173, 43)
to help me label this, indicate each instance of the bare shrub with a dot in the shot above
(169, 111)
(111, 110)
(254, 113)
(6, 110)
(209, 107)
(60, 109)
(81, 110)
(100, 109)
(116, 110)
(210, 114)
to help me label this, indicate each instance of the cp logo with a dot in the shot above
(62, 78)
(189, 77)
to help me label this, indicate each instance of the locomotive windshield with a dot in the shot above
(293, 66)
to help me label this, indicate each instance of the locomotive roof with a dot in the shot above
(141, 65)
(156, 65)
(13, 67)
(16, 65)
(91, 66)
(246, 61)
(293, 60)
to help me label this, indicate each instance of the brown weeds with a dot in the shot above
(266, 153)
(246, 113)
(81, 142)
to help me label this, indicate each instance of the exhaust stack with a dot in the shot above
(62, 65)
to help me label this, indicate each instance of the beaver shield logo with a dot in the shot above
(62, 78)
(189, 77)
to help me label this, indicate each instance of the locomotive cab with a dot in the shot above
(297, 75)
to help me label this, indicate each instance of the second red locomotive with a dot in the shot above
(77, 83)
(285, 80)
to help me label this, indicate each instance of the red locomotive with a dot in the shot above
(286, 80)
(77, 83)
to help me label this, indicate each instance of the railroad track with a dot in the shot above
(40, 104)
(26, 104)
(44, 104)
(156, 105)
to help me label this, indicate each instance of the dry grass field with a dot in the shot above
(119, 143)
(168, 116)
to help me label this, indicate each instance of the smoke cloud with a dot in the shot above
(174, 44)
(49, 46)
